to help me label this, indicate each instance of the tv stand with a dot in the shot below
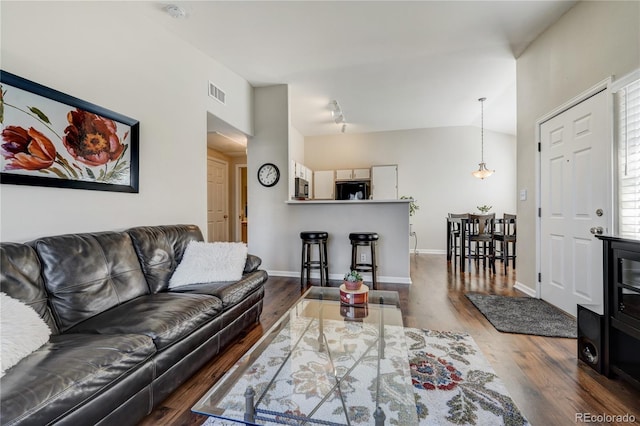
(621, 309)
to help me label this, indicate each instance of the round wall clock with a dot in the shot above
(268, 174)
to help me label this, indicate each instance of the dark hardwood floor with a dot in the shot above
(542, 374)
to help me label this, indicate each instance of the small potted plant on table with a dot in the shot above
(353, 280)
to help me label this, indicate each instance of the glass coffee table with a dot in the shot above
(322, 363)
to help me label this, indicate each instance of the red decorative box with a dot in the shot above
(354, 297)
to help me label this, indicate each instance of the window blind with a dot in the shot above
(628, 148)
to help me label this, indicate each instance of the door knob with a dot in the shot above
(597, 230)
(226, 216)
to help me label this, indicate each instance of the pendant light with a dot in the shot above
(482, 171)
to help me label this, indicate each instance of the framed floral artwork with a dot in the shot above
(49, 138)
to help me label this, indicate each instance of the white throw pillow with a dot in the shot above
(22, 331)
(209, 262)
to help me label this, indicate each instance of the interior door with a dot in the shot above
(217, 200)
(575, 203)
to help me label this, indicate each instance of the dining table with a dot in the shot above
(461, 224)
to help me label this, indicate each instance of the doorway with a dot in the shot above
(217, 200)
(242, 206)
(575, 202)
(226, 145)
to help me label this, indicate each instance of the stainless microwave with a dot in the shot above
(301, 189)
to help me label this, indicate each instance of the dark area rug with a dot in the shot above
(524, 315)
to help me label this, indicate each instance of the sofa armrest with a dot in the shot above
(252, 263)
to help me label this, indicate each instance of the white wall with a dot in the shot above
(125, 63)
(594, 40)
(434, 167)
(271, 223)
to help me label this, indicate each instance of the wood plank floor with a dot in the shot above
(542, 374)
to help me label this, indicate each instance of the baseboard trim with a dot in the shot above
(336, 277)
(427, 251)
(525, 289)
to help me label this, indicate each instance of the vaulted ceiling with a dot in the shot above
(390, 64)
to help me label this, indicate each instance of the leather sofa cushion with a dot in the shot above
(164, 317)
(252, 264)
(87, 274)
(21, 279)
(160, 249)
(68, 371)
(230, 293)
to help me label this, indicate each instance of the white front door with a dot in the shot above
(217, 200)
(575, 203)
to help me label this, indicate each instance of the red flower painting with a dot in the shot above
(48, 138)
(92, 139)
(27, 149)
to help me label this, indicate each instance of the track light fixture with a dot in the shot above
(338, 115)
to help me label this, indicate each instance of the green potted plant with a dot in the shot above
(484, 209)
(353, 280)
(413, 206)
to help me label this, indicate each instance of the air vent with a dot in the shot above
(216, 93)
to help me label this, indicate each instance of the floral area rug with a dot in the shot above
(453, 383)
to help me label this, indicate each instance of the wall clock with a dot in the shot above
(268, 174)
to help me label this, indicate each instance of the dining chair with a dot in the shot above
(507, 236)
(455, 228)
(479, 233)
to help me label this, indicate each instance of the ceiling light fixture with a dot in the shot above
(175, 11)
(482, 171)
(338, 115)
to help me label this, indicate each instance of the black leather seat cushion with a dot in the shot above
(230, 293)
(160, 249)
(165, 317)
(314, 235)
(21, 279)
(68, 371)
(252, 264)
(363, 236)
(87, 274)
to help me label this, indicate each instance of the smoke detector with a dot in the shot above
(175, 11)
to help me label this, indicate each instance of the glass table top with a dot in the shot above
(323, 362)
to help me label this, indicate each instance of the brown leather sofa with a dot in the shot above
(121, 341)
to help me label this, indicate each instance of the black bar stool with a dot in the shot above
(364, 239)
(309, 240)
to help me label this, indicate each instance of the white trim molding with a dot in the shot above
(526, 290)
(338, 277)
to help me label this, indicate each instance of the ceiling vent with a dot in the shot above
(216, 93)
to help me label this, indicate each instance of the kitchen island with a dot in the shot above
(389, 218)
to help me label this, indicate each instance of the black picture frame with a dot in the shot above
(88, 147)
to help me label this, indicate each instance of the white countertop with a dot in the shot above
(347, 201)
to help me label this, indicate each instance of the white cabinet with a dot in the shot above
(353, 174)
(361, 174)
(384, 182)
(301, 171)
(343, 174)
(323, 185)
